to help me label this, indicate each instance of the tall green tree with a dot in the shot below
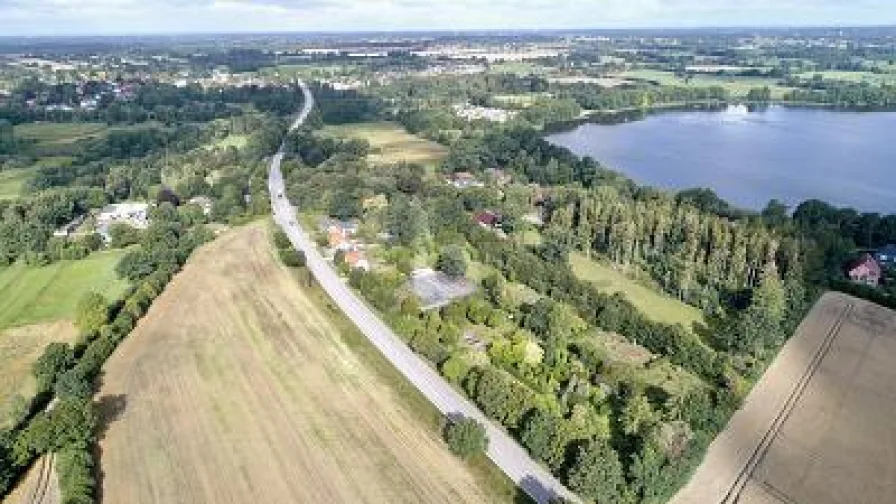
(596, 473)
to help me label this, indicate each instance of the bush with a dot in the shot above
(292, 257)
(452, 262)
(466, 437)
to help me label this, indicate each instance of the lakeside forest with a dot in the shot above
(618, 404)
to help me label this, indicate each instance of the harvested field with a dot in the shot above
(39, 486)
(241, 386)
(818, 427)
(20, 347)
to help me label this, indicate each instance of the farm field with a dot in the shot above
(390, 143)
(20, 347)
(818, 426)
(36, 308)
(59, 133)
(655, 305)
(39, 486)
(237, 141)
(240, 385)
(737, 86)
(30, 295)
(12, 182)
(869, 77)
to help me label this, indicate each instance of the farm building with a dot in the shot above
(463, 180)
(133, 214)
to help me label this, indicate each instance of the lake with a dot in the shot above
(748, 158)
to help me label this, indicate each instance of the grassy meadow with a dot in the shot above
(12, 182)
(737, 86)
(390, 143)
(31, 295)
(37, 305)
(652, 303)
(59, 133)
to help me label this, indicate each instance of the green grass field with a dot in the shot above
(876, 79)
(390, 143)
(655, 305)
(737, 86)
(519, 100)
(59, 133)
(11, 183)
(30, 295)
(238, 141)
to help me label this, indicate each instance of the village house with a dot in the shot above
(340, 235)
(463, 180)
(357, 259)
(865, 271)
(488, 219)
(203, 202)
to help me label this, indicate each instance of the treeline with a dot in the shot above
(844, 94)
(151, 101)
(69, 374)
(696, 256)
(592, 97)
(523, 152)
(334, 106)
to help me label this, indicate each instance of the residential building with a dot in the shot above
(865, 271)
(357, 259)
(463, 180)
(488, 219)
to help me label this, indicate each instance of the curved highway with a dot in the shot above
(536, 481)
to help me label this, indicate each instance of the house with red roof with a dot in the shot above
(865, 271)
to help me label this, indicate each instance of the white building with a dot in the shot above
(133, 214)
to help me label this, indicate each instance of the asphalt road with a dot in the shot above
(536, 481)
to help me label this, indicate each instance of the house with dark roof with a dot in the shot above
(488, 219)
(886, 256)
(866, 271)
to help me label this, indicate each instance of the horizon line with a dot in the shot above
(770, 27)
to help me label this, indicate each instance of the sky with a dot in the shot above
(88, 17)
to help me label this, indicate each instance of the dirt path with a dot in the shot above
(817, 428)
(237, 388)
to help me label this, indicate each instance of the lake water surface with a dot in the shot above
(748, 158)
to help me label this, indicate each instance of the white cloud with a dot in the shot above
(20, 17)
